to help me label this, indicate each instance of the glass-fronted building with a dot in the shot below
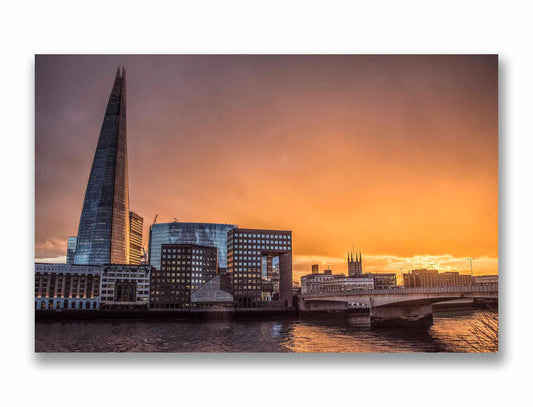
(206, 234)
(103, 233)
(184, 269)
(71, 249)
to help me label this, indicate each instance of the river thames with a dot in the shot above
(452, 331)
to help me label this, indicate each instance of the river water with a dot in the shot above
(452, 331)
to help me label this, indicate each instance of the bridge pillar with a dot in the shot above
(401, 315)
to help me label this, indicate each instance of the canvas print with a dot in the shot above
(266, 203)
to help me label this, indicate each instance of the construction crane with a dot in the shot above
(144, 256)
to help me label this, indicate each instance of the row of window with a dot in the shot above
(262, 236)
(279, 248)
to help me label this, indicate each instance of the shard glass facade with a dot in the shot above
(103, 234)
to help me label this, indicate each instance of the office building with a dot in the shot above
(71, 249)
(184, 269)
(125, 286)
(103, 233)
(136, 237)
(60, 286)
(204, 234)
(250, 253)
(432, 278)
(314, 269)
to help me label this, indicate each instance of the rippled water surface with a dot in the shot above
(457, 331)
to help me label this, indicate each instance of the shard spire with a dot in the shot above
(103, 233)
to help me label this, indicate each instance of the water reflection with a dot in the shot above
(451, 332)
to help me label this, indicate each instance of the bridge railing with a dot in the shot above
(473, 288)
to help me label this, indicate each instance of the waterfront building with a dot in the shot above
(184, 268)
(125, 286)
(383, 281)
(215, 293)
(314, 269)
(432, 278)
(136, 238)
(60, 286)
(103, 233)
(485, 280)
(328, 282)
(341, 283)
(204, 234)
(250, 251)
(310, 283)
(71, 249)
(355, 267)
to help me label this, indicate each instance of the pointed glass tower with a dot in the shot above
(103, 234)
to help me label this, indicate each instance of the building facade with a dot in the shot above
(432, 278)
(60, 286)
(136, 237)
(125, 286)
(485, 280)
(333, 283)
(204, 234)
(247, 249)
(184, 269)
(341, 284)
(71, 249)
(355, 267)
(310, 283)
(103, 233)
(383, 281)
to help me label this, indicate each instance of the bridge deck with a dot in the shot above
(474, 289)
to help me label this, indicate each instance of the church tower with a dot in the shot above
(355, 267)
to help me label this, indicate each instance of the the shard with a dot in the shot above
(103, 234)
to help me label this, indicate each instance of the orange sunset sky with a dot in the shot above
(396, 155)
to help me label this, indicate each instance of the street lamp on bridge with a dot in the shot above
(471, 269)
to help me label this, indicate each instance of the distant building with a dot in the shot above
(383, 281)
(184, 269)
(125, 286)
(215, 293)
(314, 269)
(320, 283)
(432, 278)
(203, 234)
(71, 249)
(246, 250)
(341, 284)
(136, 238)
(310, 283)
(355, 267)
(60, 286)
(489, 279)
